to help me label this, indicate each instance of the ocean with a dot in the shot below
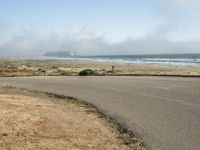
(192, 60)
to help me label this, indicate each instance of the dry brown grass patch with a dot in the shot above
(36, 121)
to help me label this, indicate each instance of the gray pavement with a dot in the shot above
(164, 111)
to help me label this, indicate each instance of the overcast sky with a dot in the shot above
(99, 27)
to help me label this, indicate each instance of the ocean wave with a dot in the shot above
(123, 60)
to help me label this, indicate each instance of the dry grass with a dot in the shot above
(35, 121)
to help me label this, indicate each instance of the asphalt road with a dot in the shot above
(164, 111)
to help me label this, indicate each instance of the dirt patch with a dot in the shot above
(32, 120)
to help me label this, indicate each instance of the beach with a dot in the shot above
(72, 68)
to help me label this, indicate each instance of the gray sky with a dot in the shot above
(30, 28)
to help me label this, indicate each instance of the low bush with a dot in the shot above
(86, 72)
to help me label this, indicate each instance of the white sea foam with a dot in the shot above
(192, 62)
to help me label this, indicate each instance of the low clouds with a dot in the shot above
(88, 43)
(35, 44)
(177, 6)
(182, 4)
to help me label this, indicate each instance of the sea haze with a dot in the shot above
(191, 60)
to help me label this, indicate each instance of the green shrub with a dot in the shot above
(86, 72)
(54, 67)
